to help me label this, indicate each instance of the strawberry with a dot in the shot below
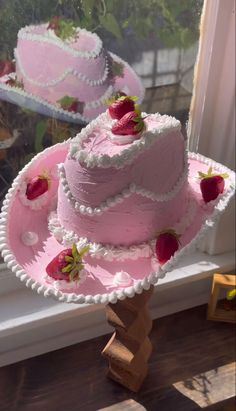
(64, 29)
(167, 244)
(74, 106)
(37, 186)
(6, 67)
(71, 104)
(121, 105)
(211, 185)
(130, 124)
(67, 264)
(54, 23)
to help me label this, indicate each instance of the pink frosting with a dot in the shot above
(137, 218)
(51, 68)
(44, 62)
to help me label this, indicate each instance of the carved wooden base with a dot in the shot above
(129, 347)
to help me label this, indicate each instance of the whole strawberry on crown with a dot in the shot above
(130, 122)
(121, 104)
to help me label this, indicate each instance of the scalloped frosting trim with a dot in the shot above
(140, 285)
(69, 71)
(70, 115)
(76, 116)
(107, 252)
(120, 197)
(166, 125)
(110, 252)
(26, 33)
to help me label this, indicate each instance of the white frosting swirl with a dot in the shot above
(123, 279)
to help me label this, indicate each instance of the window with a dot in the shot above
(158, 38)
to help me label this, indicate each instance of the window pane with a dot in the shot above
(157, 38)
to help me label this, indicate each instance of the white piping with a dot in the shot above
(112, 297)
(120, 197)
(26, 34)
(110, 252)
(62, 77)
(166, 124)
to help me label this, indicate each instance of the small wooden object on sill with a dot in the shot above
(129, 348)
(216, 307)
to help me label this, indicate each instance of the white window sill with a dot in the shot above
(31, 325)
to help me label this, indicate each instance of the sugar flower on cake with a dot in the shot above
(33, 191)
(212, 185)
(66, 270)
(167, 243)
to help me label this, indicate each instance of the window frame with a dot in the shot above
(211, 126)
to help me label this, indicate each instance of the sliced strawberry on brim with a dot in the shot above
(38, 186)
(121, 105)
(130, 124)
(67, 264)
(167, 243)
(71, 104)
(211, 185)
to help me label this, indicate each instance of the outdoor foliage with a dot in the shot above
(173, 22)
(122, 24)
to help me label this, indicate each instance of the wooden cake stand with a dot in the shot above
(129, 348)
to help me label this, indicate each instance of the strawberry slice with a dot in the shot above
(130, 124)
(67, 264)
(6, 67)
(167, 244)
(37, 186)
(211, 185)
(121, 105)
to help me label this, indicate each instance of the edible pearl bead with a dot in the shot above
(29, 238)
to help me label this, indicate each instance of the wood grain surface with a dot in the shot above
(129, 348)
(191, 369)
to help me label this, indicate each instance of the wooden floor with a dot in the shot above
(191, 368)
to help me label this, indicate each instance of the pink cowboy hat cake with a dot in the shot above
(110, 212)
(64, 72)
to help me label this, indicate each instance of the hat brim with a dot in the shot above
(129, 83)
(29, 262)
